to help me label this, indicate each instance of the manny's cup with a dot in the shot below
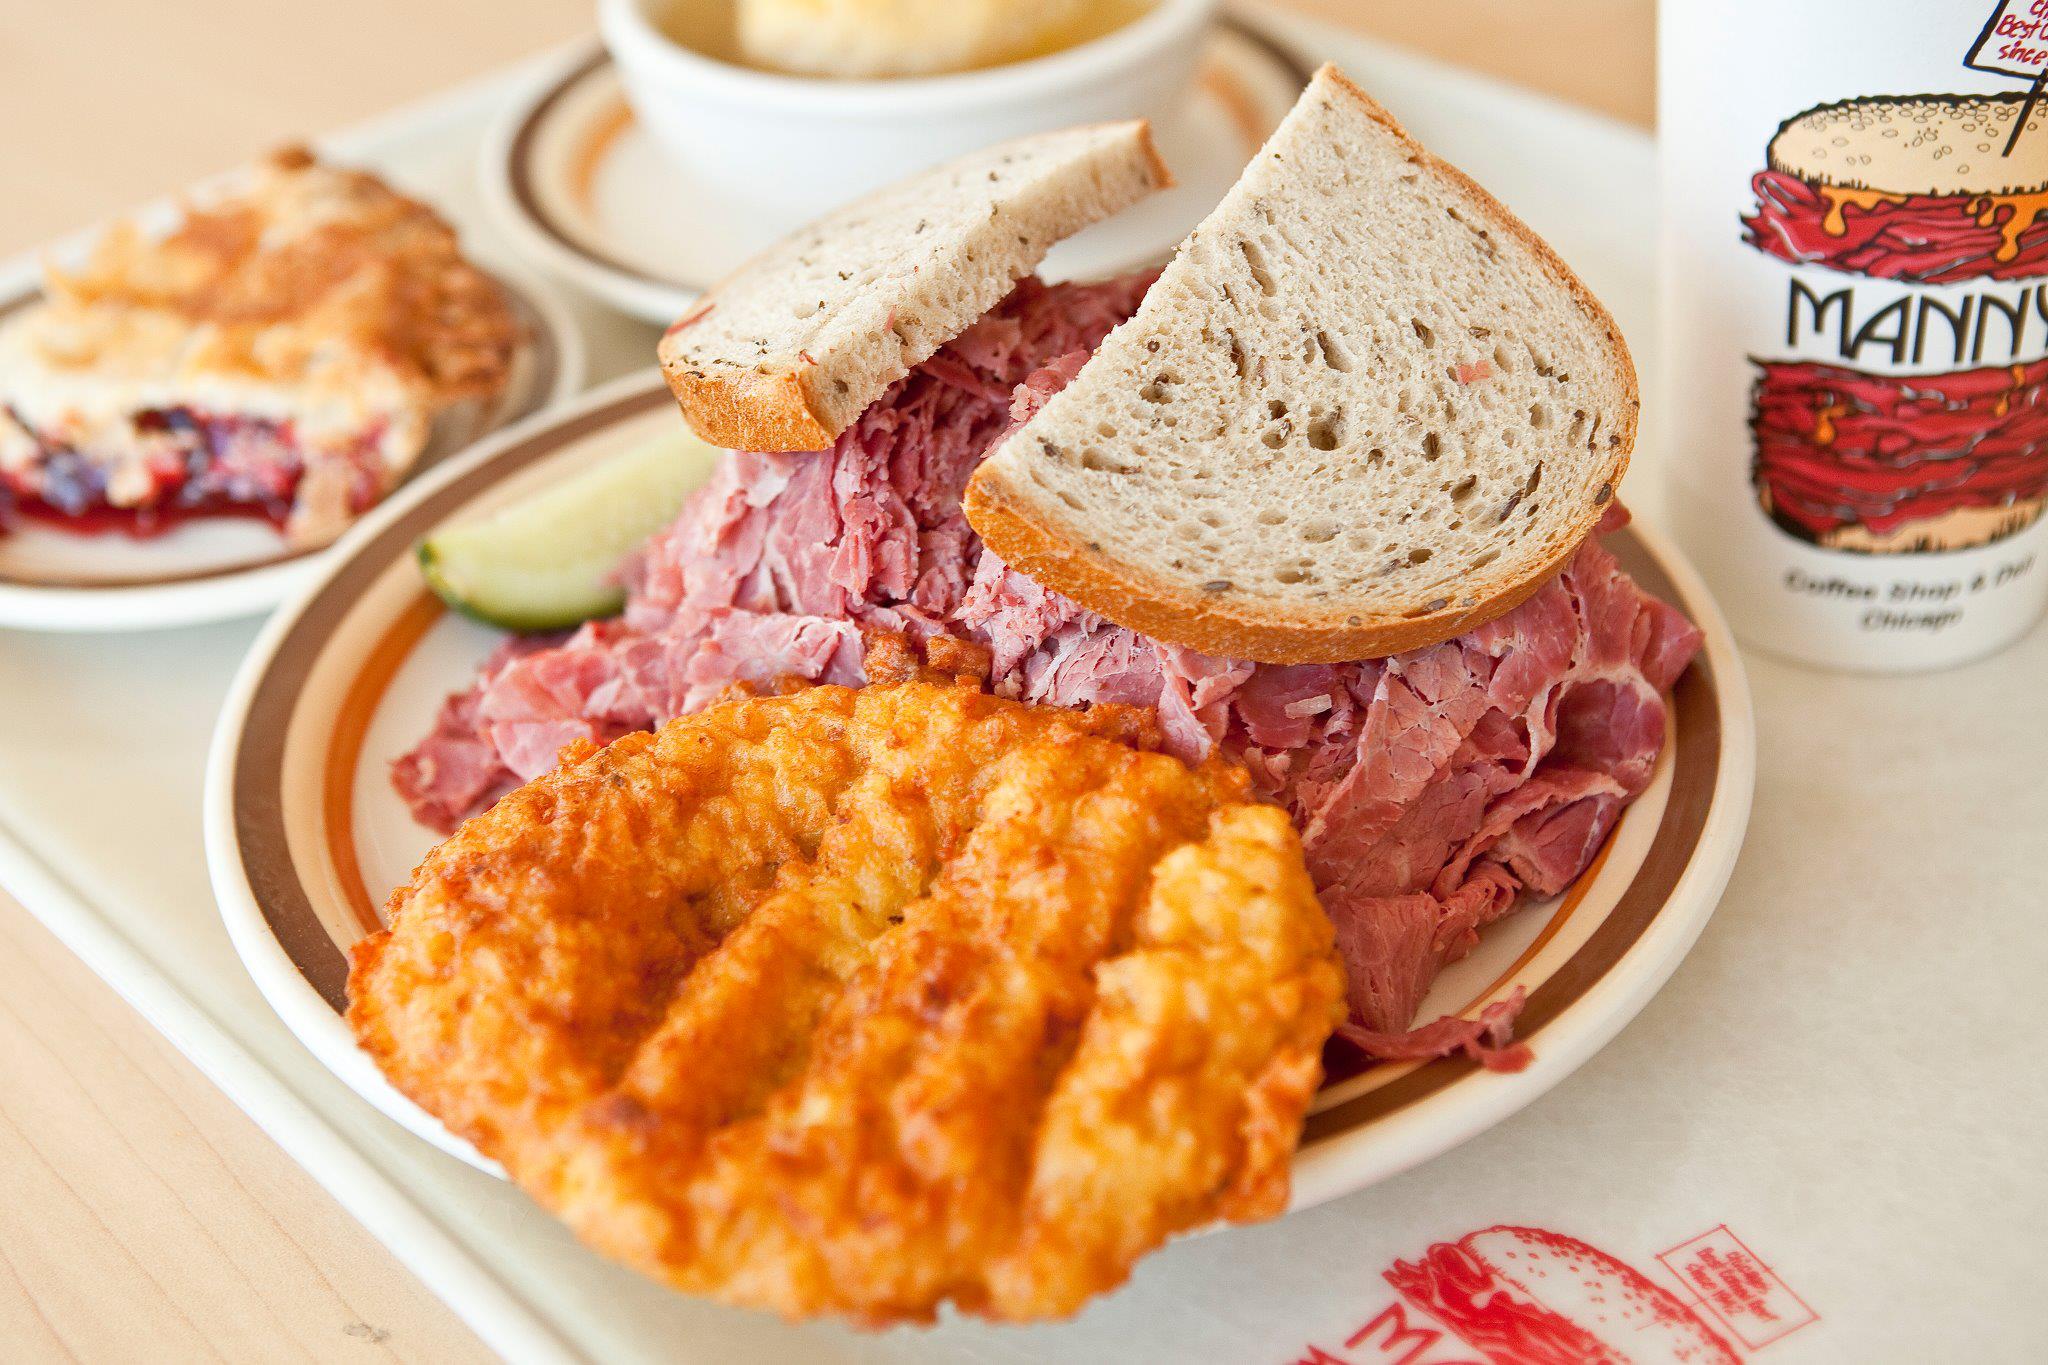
(1855, 298)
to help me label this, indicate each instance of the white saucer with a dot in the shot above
(582, 191)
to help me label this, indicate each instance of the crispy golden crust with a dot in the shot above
(313, 261)
(858, 1002)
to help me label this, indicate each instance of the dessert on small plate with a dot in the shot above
(213, 401)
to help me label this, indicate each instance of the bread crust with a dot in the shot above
(748, 411)
(1216, 625)
(1148, 148)
(1014, 525)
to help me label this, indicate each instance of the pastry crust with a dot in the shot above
(316, 275)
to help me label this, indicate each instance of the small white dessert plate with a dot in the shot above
(571, 178)
(220, 567)
(305, 835)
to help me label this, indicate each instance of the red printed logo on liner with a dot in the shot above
(1734, 1283)
(1527, 1296)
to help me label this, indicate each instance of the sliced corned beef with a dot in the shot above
(1432, 788)
(457, 770)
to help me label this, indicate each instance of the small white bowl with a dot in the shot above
(780, 150)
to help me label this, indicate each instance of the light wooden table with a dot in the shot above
(142, 1216)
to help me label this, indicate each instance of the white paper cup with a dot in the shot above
(1853, 376)
(780, 150)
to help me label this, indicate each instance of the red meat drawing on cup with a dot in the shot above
(1881, 464)
(1524, 1296)
(1917, 188)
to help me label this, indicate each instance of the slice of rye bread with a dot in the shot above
(1939, 145)
(789, 349)
(1365, 409)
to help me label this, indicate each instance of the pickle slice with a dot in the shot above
(551, 561)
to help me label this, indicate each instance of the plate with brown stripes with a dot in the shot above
(306, 834)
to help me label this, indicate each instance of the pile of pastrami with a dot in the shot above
(1432, 789)
(1837, 448)
(1921, 238)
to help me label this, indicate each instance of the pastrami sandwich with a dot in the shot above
(1916, 188)
(1323, 493)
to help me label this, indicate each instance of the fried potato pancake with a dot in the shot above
(857, 1002)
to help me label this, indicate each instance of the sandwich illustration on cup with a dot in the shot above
(1909, 187)
(1923, 191)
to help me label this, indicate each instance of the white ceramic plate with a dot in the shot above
(305, 835)
(219, 568)
(572, 179)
